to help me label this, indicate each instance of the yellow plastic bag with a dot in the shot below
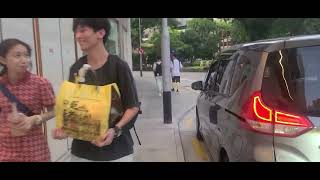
(85, 111)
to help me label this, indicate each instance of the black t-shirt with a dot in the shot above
(116, 71)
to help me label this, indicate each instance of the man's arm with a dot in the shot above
(107, 138)
(154, 66)
(128, 115)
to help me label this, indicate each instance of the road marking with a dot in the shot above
(189, 123)
(199, 149)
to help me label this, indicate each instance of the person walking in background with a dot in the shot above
(176, 68)
(157, 70)
(172, 80)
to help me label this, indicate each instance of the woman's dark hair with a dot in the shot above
(95, 23)
(7, 45)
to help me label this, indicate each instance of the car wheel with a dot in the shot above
(199, 135)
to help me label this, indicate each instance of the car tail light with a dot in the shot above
(268, 120)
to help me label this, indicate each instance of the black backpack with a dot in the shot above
(158, 70)
(132, 122)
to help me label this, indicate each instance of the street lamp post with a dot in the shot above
(165, 56)
(140, 47)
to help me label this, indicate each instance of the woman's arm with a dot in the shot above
(41, 118)
(23, 124)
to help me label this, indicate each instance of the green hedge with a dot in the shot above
(202, 63)
(195, 69)
(196, 63)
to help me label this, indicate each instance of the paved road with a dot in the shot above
(194, 150)
(183, 109)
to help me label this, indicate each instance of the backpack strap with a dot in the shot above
(134, 128)
(12, 98)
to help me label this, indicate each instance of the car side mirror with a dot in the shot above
(197, 85)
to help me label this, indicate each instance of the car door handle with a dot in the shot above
(213, 114)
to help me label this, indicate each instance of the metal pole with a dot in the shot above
(165, 56)
(1, 38)
(140, 47)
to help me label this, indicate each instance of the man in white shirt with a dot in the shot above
(176, 68)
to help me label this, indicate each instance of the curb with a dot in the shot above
(178, 139)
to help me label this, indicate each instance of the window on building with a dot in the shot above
(112, 44)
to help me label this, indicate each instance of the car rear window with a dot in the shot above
(291, 80)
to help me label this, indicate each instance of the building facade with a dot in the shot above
(54, 50)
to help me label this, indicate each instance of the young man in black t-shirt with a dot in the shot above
(157, 70)
(117, 143)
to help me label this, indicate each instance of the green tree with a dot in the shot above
(250, 29)
(156, 22)
(150, 49)
(238, 33)
(202, 35)
(153, 46)
(256, 28)
(176, 43)
(135, 32)
(146, 23)
(154, 49)
(286, 26)
(311, 25)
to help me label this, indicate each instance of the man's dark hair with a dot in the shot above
(173, 53)
(95, 23)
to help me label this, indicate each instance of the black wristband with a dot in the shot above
(117, 131)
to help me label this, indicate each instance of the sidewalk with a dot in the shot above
(160, 142)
